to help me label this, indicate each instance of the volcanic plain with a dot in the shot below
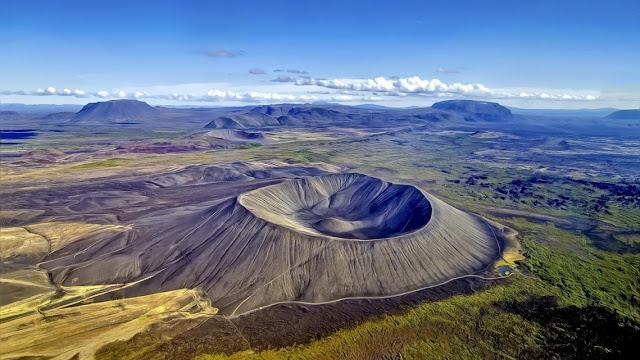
(132, 231)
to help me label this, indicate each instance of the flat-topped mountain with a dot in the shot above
(134, 112)
(476, 110)
(630, 114)
(116, 111)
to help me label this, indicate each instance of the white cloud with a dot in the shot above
(289, 89)
(415, 85)
(558, 95)
(224, 53)
(49, 91)
(447, 70)
(410, 85)
(257, 71)
(296, 71)
(253, 96)
(211, 95)
(270, 97)
(284, 79)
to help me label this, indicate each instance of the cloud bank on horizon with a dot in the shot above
(213, 95)
(309, 89)
(415, 85)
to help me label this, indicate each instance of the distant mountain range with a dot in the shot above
(451, 114)
(336, 115)
(138, 112)
(39, 108)
(574, 113)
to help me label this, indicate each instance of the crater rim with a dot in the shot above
(289, 216)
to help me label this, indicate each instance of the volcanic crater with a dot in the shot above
(350, 206)
(253, 234)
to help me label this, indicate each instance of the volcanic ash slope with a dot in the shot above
(375, 238)
(311, 239)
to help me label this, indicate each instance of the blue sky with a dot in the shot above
(554, 54)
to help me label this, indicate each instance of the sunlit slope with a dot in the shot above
(65, 332)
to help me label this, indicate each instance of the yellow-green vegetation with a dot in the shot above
(461, 326)
(30, 243)
(628, 239)
(511, 247)
(249, 145)
(140, 163)
(50, 298)
(59, 234)
(305, 156)
(17, 285)
(26, 290)
(84, 329)
(19, 242)
(623, 217)
(290, 136)
(582, 275)
(101, 164)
